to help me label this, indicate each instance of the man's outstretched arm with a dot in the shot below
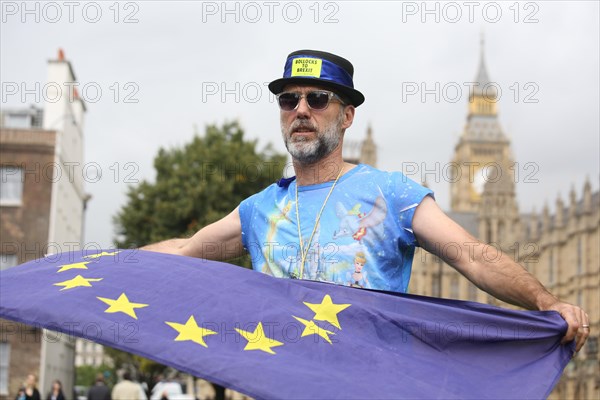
(502, 278)
(219, 241)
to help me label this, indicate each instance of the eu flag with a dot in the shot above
(278, 338)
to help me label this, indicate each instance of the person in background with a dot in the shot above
(31, 392)
(56, 393)
(20, 394)
(99, 391)
(128, 390)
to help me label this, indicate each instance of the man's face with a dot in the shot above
(310, 135)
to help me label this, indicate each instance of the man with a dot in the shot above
(313, 225)
(128, 390)
(99, 391)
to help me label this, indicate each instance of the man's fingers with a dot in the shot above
(578, 324)
(583, 331)
(579, 328)
(572, 321)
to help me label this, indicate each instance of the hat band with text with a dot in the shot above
(300, 66)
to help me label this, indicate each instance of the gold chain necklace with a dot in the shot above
(303, 252)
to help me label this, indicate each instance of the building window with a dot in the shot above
(4, 363)
(11, 186)
(472, 292)
(584, 392)
(7, 261)
(579, 257)
(501, 232)
(17, 121)
(435, 285)
(454, 288)
(551, 269)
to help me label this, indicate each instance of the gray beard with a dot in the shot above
(309, 151)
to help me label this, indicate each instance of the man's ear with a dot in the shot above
(349, 111)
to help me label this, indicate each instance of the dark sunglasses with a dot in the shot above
(316, 100)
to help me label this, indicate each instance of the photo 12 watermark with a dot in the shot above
(54, 332)
(252, 12)
(452, 12)
(471, 171)
(523, 252)
(453, 92)
(65, 252)
(73, 171)
(53, 12)
(461, 331)
(53, 92)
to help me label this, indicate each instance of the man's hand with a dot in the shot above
(578, 321)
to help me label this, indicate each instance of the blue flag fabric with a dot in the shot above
(282, 338)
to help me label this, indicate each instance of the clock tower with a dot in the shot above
(482, 154)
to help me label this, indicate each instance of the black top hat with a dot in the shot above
(312, 67)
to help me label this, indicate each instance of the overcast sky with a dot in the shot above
(171, 57)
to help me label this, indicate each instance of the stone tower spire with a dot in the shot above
(559, 218)
(587, 196)
(368, 150)
(483, 94)
(482, 145)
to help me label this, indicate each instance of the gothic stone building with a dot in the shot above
(561, 250)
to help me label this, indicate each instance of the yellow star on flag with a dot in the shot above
(310, 328)
(78, 265)
(76, 282)
(191, 331)
(327, 311)
(257, 340)
(122, 304)
(104, 253)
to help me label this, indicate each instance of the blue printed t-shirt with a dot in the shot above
(364, 237)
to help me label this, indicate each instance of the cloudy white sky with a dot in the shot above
(173, 53)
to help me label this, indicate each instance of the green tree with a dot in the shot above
(196, 185)
(144, 370)
(86, 374)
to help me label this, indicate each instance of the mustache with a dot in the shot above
(302, 124)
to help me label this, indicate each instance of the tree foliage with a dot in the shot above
(196, 185)
(143, 369)
(86, 374)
